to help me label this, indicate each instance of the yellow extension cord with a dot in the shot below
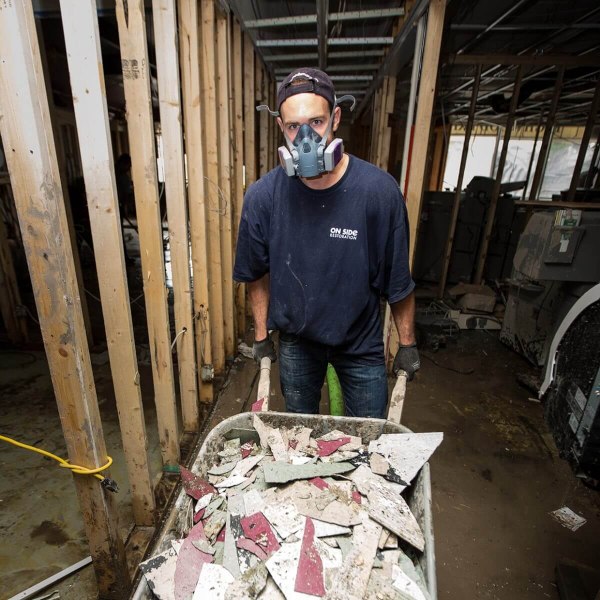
(63, 463)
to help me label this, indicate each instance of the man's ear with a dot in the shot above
(280, 123)
(337, 116)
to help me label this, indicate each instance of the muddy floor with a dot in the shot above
(495, 478)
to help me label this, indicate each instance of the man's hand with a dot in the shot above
(407, 359)
(264, 348)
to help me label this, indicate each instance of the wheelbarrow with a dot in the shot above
(418, 496)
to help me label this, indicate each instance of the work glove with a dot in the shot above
(407, 359)
(264, 348)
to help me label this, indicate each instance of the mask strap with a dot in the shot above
(273, 113)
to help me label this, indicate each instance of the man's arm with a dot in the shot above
(258, 293)
(404, 319)
(407, 357)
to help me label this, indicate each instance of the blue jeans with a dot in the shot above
(302, 369)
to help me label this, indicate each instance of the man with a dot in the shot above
(321, 240)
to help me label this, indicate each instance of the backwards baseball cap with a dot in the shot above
(305, 80)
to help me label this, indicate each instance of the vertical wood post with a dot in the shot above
(263, 131)
(548, 129)
(249, 112)
(585, 140)
(427, 86)
(491, 210)
(192, 113)
(225, 139)
(136, 80)
(459, 183)
(238, 149)
(212, 190)
(167, 63)
(82, 41)
(26, 132)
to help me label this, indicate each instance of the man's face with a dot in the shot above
(309, 109)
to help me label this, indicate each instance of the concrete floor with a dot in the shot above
(495, 477)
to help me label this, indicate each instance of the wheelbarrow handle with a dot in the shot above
(264, 384)
(397, 398)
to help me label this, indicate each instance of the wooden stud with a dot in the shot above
(491, 210)
(534, 60)
(212, 190)
(10, 295)
(585, 140)
(26, 131)
(427, 85)
(224, 103)
(82, 40)
(459, 183)
(167, 64)
(238, 154)
(548, 128)
(263, 140)
(191, 91)
(136, 80)
(249, 112)
(532, 157)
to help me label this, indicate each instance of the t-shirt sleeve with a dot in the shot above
(252, 251)
(398, 283)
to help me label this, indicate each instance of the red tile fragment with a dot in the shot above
(327, 448)
(247, 449)
(258, 529)
(198, 516)
(251, 546)
(356, 497)
(195, 486)
(221, 536)
(258, 405)
(319, 482)
(189, 564)
(309, 577)
(292, 444)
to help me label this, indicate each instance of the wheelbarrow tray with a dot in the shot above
(418, 496)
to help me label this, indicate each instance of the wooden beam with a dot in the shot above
(491, 209)
(539, 60)
(26, 131)
(461, 172)
(249, 112)
(211, 182)
(585, 140)
(427, 85)
(225, 138)
(167, 65)
(263, 130)
(82, 41)
(192, 117)
(136, 80)
(239, 125)
(556, 204)
(548, 129)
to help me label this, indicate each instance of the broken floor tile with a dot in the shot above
(569, 519)
(247, 449)
(222, 469)
(326, 448)
(231, 449)
(272, 591)
(244, 543)
(253, 502)
(391, 511)
(263, 432)
(323, 529)
(189, 563)
(214, 524)
(231, 481)
(213, 581)
(247, 464)
(354, 444)
(309, 577)
(195, 486)
(380, 587)
(365, 479)
(408, 587)
(284, 472)
(406, 452)
(284, 517)
(249, 585)
(319, 482)
(258, 529)
(278, 446)
(160, 573)
(301, 460)
(213, 505)
(203, 502)
(351, 580)
(204, 546)
(198, 516)
(235, 506)
(283, 566)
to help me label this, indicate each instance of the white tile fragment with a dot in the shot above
(404, 584)
(203, 502)
(283, 566)
(569, 519)
(253, 502)
(213, 581)
(247, 464)
(160, 573)
(323, 529)
(278, 446)
(231, 481)
(284, 517)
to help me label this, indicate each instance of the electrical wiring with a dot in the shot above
(78, 469)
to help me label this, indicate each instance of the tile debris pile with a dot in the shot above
(296, 517)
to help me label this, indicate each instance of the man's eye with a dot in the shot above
(317, 122)
(292, 127)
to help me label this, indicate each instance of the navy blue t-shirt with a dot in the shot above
(331, 254)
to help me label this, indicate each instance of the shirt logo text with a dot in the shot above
(343, 234)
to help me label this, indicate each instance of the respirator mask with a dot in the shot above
(308, 154)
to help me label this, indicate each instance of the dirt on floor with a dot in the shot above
(496, 477)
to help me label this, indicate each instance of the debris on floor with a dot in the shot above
(569, 519)
(294, 516)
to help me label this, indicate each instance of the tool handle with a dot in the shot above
(397, 398)
(264, 384)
